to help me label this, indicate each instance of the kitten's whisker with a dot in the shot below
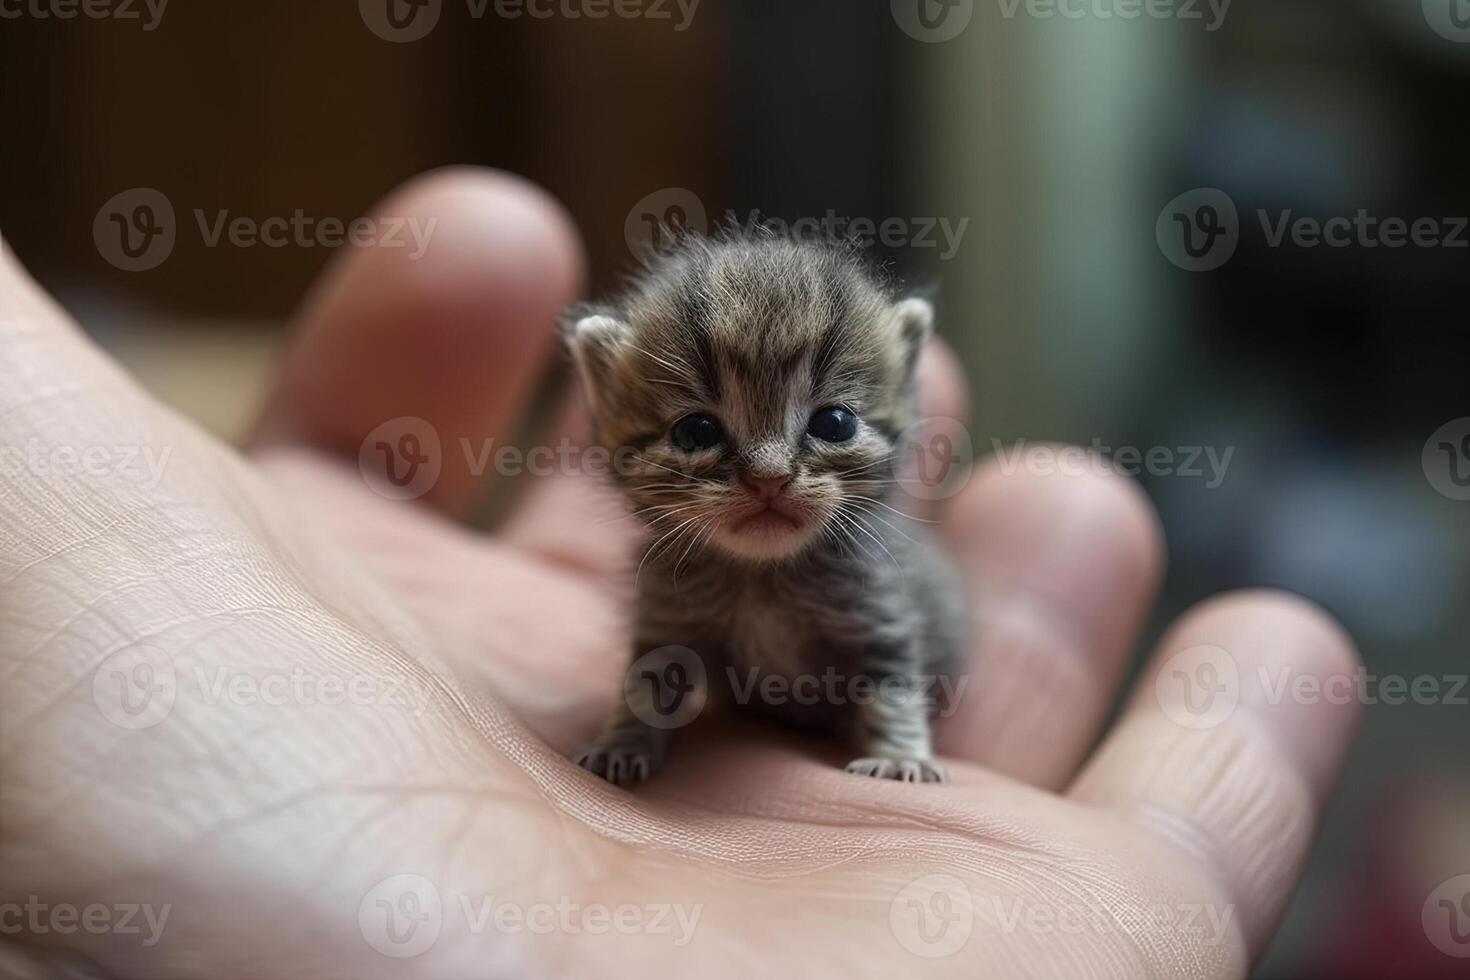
(854, 519)
(848, 521)
(888, 524)
(678, 369)
(863, 468)
(688, 476)
(655, 547)
(672, 513)
(911, 517)
(708, 525)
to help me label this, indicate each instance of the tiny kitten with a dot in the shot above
(759, 387)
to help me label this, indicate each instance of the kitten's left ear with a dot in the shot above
(915, 316)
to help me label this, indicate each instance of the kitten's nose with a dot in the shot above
(766, 487)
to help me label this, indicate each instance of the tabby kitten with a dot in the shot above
(755, 389)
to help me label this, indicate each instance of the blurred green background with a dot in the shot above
(1026, 158)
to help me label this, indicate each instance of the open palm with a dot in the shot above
(326, 730)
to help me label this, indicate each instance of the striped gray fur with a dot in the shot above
(759, 333)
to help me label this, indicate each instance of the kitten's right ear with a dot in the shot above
(596, 339)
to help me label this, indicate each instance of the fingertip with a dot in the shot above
(1053, 523)
(452, 327)
(1295, 670)
(944, 391)
(1064, 566)
(481, 215)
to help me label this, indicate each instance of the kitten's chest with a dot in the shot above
(783, 630)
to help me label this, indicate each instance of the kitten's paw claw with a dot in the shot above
(621, 765)
(903, 770)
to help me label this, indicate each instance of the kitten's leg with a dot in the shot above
(894, 732)
(626, 750)
(633, 745)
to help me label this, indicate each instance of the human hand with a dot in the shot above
(278, 831)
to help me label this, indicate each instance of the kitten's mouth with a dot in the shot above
(772, 516)
(767, 521)
(767, 530)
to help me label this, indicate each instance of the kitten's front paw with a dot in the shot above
(621, 763)
(904, 770)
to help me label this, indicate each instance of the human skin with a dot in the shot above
(266, 827)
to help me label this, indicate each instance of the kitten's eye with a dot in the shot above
(693, 433)
(833, 425)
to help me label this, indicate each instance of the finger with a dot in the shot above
(575, 518)
(1220, 752)
(453, 327)
(1063, 566)
(55, 383)
(944, 401)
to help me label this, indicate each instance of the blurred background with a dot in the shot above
(1114, 198)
